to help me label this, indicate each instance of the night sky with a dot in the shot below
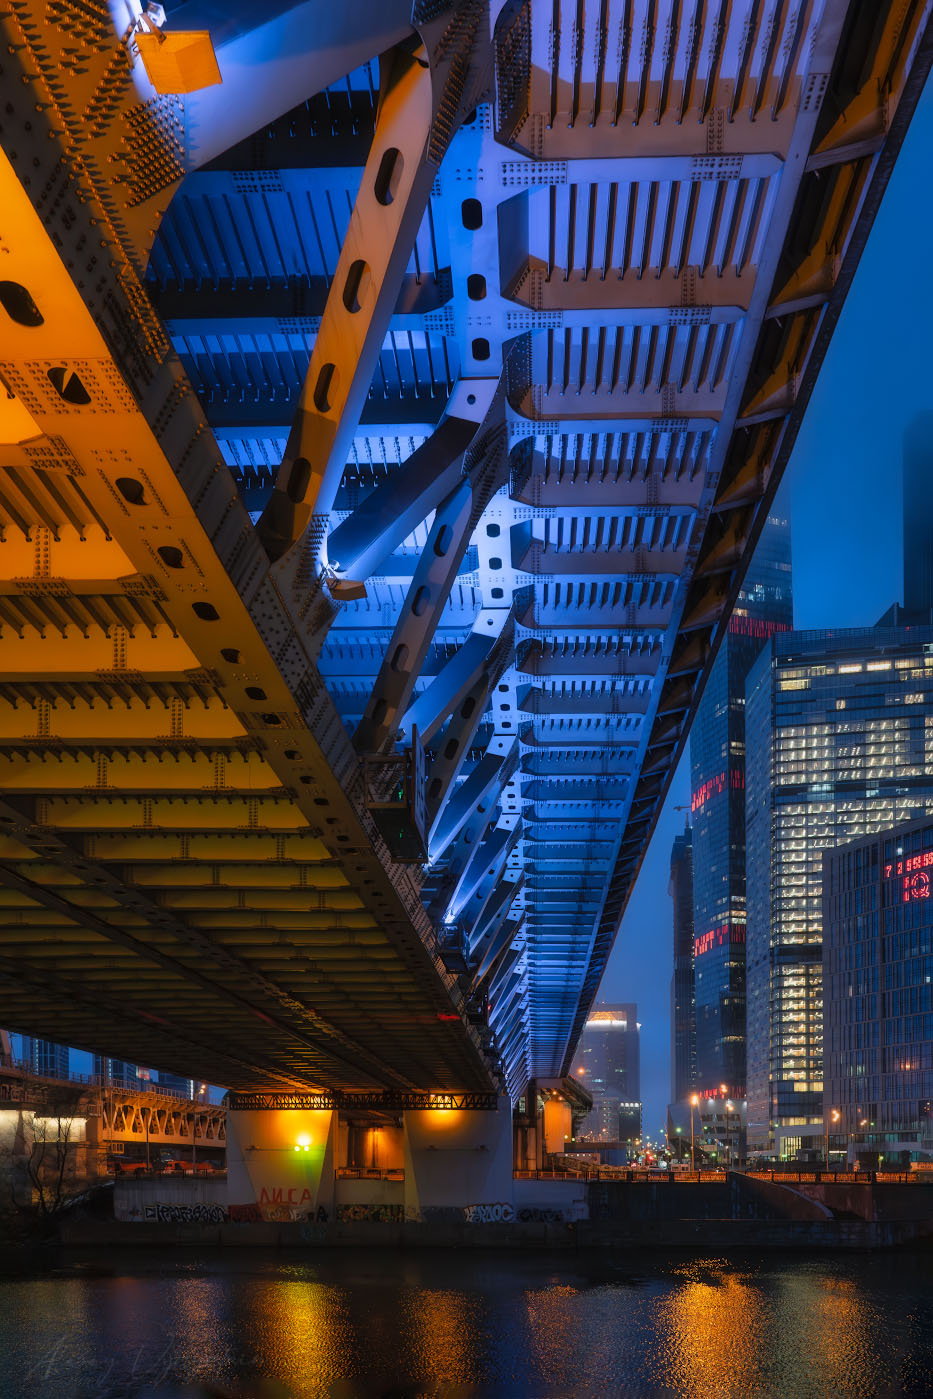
(843, 493)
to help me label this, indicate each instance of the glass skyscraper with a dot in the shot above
(44, 1057)
(610, 1059)
(878, 991)
(839, 731)
(717, 768)
(683, 1014)
(116, 1072)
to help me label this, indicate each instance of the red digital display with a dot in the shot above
(716, 786)
(916, 862)
(916, 886)
(719, 937)
(755, 626)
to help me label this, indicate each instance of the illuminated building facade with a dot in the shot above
(878, 989)
(683, 1014)
(717, 767)
(839, 729)
(609, 1057)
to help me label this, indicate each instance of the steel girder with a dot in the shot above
(633, 228)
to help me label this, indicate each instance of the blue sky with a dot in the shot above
(843, 492)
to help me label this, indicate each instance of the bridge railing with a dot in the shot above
(157, 1090)
(369, 1173)
(635, 1176)
(120, 1171)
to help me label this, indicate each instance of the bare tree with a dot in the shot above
(42, 1155)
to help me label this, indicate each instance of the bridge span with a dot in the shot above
(384, 433)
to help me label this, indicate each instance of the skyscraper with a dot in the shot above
(717, 765)
(116, 1072)
(184, 1087)
(878, 991)
(45, 1058)
(839, 728)
(609, 1057)
(683, 1021)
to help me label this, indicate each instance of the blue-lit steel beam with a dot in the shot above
(421, 100)
(363, 541)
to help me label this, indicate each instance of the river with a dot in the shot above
(348, 1323)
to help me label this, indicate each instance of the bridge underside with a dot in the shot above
(386, 433)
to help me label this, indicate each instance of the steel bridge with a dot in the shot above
(386, 431)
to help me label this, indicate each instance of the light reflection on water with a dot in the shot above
(110, 1325)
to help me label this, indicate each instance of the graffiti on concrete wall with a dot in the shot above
(488, 1214)
(244, 1214)
(285, 1195)
(187, 1214)
(371, 1214)
(535, 1214)
(500, 1213)
(274, 1207)
(281, 1214)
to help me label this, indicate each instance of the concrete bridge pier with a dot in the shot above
(319, 1164)
(280, 1163)
(459, 1160)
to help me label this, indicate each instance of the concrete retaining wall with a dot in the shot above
(550, 1201)
(171, 1200)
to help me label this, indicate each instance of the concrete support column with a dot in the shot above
(557, 1125)
(459, 1161)
(280, 1164)
(95, 1147)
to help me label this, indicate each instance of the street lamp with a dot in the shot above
(694, 1101)
(834, 1118)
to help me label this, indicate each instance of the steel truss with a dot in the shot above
(348, 1102)
(430, 383)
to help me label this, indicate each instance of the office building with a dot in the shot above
(839, 732)
(683, 1027)
(115, 1073)
(629, 1130)
(717, 768)
(878, 993)
(44, 1057)
(174, 1083)
(608, 1064)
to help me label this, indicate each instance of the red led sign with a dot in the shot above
(755, 626)
(719, 937)
(716, 786)
(916, 886)
(916, 862)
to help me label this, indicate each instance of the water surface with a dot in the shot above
(112, 1324)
